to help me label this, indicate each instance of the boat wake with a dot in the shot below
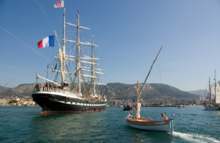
(195, 138)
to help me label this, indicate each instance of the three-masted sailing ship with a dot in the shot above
(75, 86)
(216, 104)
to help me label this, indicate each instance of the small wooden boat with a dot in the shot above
(148, 124)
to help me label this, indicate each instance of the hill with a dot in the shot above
(20, 91)
(2, 88)
(116, 91)
(201, 92)
(150, 91)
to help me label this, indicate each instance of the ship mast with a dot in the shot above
(78, 58)
(62, 53)
(64, 35)
(93, 66)
(79, 54)
(215, 86)
(209, 92)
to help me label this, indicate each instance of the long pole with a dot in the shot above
(137, 99)
(149, 71)
(64, 30)
(63, 53)
(215, 86)
(93, 66)
(79, 54)
(209, 92)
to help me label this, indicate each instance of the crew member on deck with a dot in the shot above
(65, 83)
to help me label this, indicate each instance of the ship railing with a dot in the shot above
(65, 90)
(54, 89)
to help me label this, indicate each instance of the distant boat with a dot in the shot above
(215, 105)
(148, 124)
(127, 108)
(120, 105)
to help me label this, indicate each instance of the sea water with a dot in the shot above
(25, 124)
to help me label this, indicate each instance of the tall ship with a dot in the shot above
(216, 104)
(74, 85)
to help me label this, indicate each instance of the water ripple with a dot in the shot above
(25, 124)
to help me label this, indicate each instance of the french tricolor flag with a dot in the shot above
(46, 42)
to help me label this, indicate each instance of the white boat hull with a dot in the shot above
(151, 125)
(163, 128)
(212, 108)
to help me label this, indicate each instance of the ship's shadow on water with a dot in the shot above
(69, 127)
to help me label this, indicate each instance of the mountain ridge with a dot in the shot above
(2, 88)
(115, 91)
(201, 92)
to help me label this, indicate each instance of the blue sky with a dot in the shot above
(129, 34)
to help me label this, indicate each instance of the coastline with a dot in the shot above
(22, 105)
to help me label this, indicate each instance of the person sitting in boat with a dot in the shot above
(164, 116)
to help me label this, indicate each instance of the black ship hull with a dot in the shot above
(53, 103)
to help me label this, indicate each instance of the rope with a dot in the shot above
(159, 71)
(206, 90)
(24, 43)
(145, 111)
(149, 71)
(160, 78)
(46, 15)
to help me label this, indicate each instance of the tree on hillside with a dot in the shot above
(13, 101)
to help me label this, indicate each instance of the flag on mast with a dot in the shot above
(59, 4)
(46, 42)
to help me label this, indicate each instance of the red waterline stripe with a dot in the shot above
(63, 112)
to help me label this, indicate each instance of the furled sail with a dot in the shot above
(217, 96)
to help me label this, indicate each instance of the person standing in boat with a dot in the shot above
(138, 109)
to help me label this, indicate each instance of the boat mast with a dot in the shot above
(79, 53)
(139, 91)
(78, 57)
(209, 92)
(149, 71)
(137, 99)
(93, 66)
(63, 52)
(215, 86)
(64, 34)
